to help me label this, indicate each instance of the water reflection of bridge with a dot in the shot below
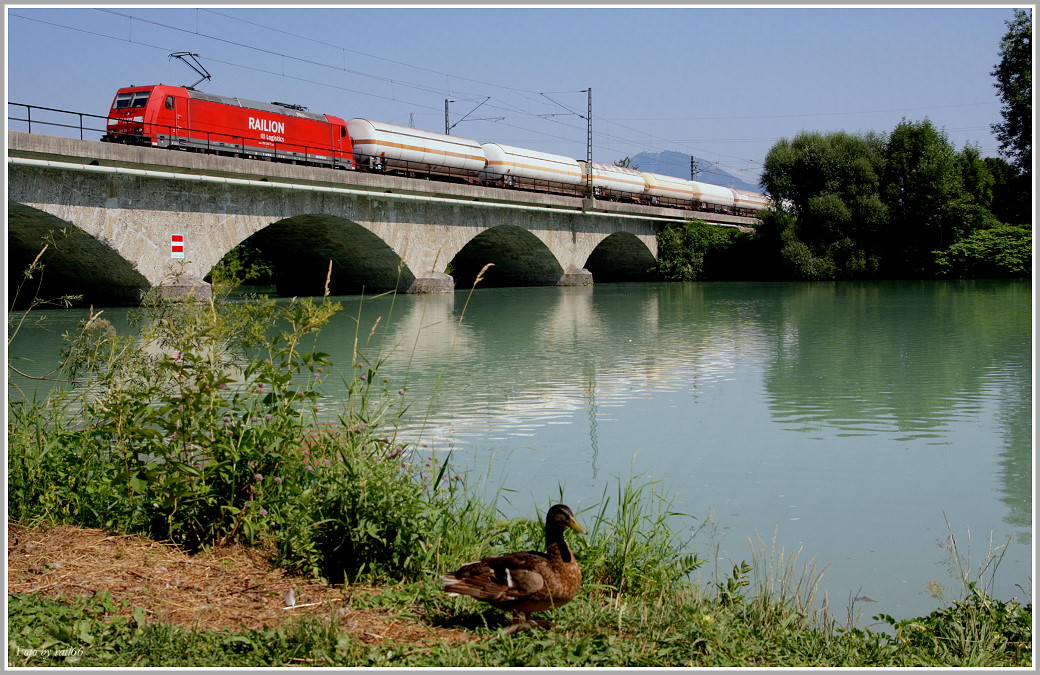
(483, 388)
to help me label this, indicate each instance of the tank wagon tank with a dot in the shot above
(710, 197)
(669, 188)
(518, 166)
(381, 146)
(616, 182)
(745, 200)
(165, 116)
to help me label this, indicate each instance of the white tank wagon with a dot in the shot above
(611, 181)
(713, 197)
(667, 187)
(381, 146)
(747, 200)
(519, 166)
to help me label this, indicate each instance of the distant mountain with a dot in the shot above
(669, 163)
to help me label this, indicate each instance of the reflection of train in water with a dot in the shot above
(185, 119)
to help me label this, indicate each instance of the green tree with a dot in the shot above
(978, 183)
(1012, 192)
(922, 188)
(1014, 76)
(855, 206)
(829, 183)
(976, 177)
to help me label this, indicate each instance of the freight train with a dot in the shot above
(182, 118)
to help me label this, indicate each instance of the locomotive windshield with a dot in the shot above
(131, 99)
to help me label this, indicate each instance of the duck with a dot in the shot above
(525, 582)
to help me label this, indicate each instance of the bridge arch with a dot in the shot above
(520, 258)
(300, 248)
(75, 261)
(621, 256)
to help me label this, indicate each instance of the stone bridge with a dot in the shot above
(109, 213)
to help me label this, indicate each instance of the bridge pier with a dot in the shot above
(432, 282)
(576, 277)
(184, 288)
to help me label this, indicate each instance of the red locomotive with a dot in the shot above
(164, 116)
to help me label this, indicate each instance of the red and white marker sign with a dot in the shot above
(176, 245)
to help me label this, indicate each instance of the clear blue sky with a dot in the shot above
(722, 84)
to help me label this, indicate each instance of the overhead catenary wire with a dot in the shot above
(503, 105)
(605, 139)
(323, 83)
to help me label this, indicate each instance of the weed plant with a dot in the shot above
(634, 547)
(203, 430)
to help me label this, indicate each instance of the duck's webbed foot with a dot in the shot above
(524, 623)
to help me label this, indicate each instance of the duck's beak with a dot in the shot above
(573, 524)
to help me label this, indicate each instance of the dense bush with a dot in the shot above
(203, 430)
(978, 630)
(684, 249)
(1004, 251)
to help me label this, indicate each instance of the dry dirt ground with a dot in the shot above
(228, 589)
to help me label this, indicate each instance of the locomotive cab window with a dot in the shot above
(169, 103)
(131, 99)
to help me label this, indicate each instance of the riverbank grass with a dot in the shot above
(419, 627)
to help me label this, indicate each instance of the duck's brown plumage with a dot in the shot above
(526, 581)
